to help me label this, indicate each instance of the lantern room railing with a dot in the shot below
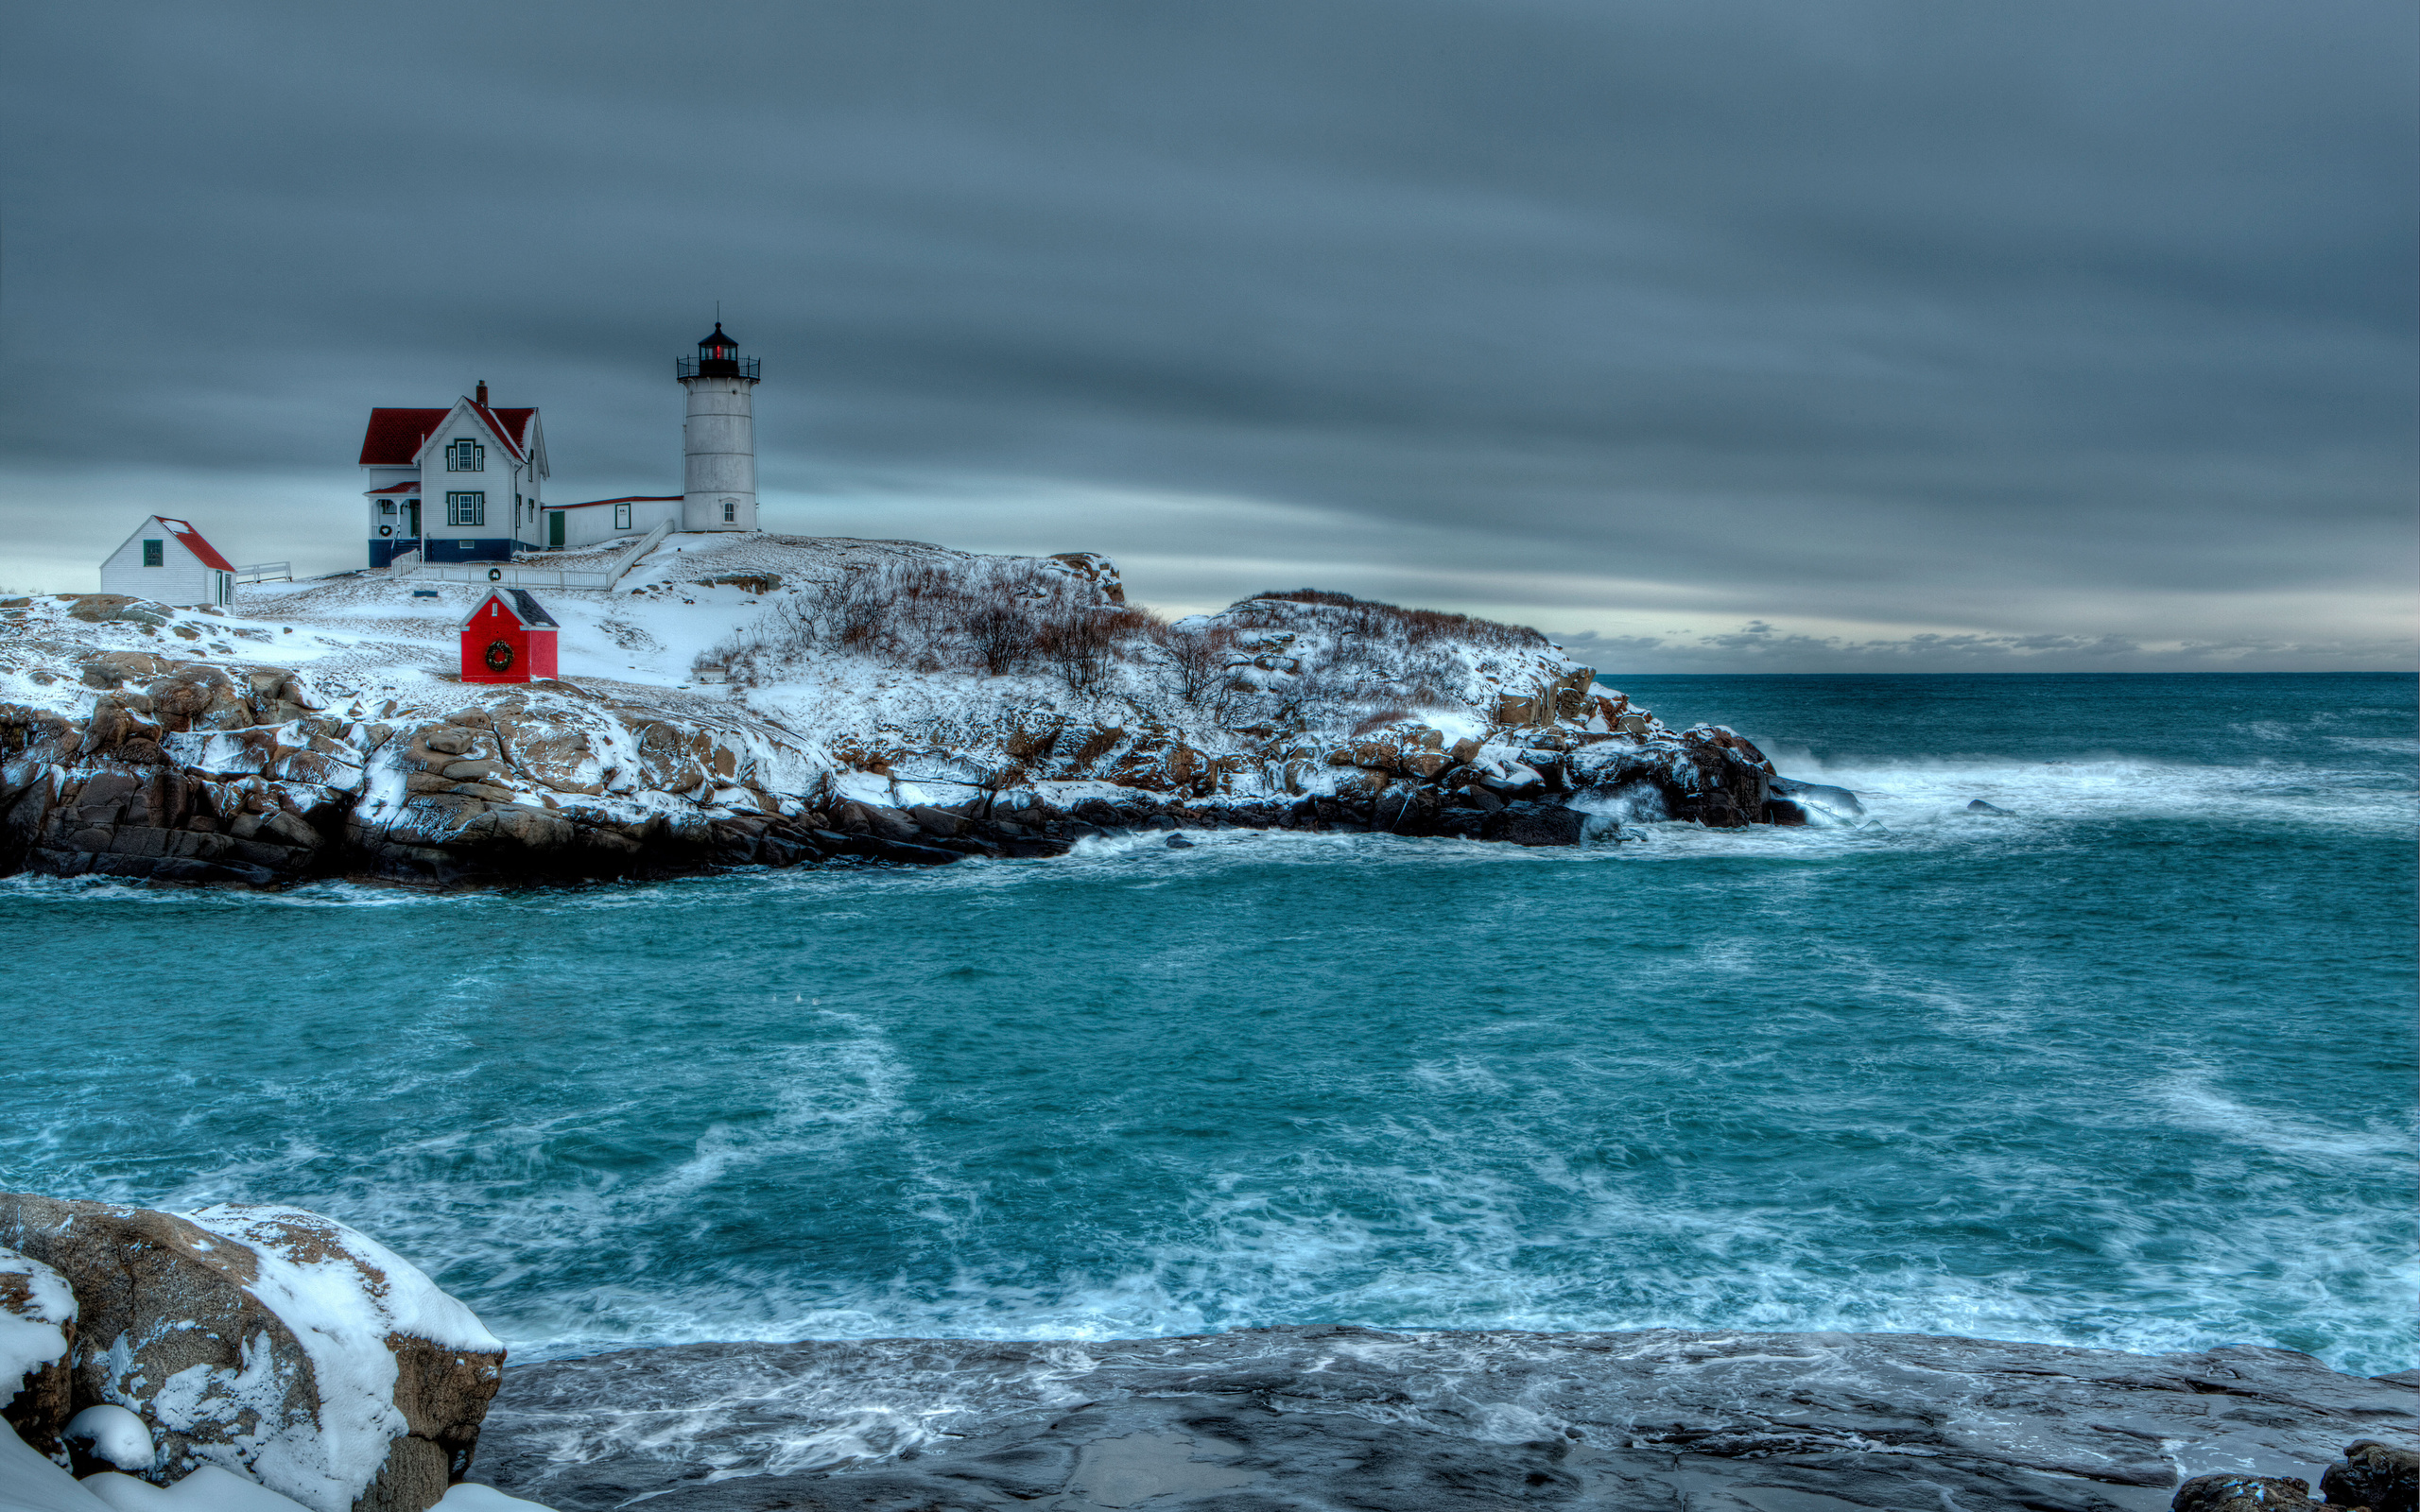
(718, 368)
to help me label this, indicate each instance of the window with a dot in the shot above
(621, 517)
(385, 507)
(729, 511)
(152, 554)
(465, 456)
(466, 509)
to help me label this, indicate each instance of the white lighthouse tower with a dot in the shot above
(719, 439)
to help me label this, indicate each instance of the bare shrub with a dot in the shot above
(857, 606)
(1000, 635)
(1412, 626)
(1198, 657)
(1082, 635)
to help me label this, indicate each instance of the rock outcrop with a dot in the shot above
(270, 1341)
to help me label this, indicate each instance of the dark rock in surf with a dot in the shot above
(1178, 842)
(1979, 806)
(1791, 801)
(1536, 824)
(2245, 1493)
(2379, 1476)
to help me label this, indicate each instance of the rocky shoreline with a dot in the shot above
(121, 757)
(1327, 1419)
(238, 1351)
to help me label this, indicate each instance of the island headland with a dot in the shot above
(737, 700)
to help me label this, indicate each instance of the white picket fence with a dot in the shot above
(528, 575)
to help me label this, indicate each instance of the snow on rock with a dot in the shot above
(268, 1342)
(113, 1435)
(37, 1329)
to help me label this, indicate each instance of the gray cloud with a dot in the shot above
(1889, 325)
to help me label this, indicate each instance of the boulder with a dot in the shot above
(37, 1331)
(270, 1341)
(1791, 801)
(882, 823)
(2244, 1493)
(2376, 1475)
(1536, 824)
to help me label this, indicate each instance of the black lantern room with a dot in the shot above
(718, 358)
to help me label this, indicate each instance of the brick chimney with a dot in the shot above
(483, 392)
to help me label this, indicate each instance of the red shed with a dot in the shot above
(508, 638)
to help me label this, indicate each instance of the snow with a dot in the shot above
(34, 1336)
(30, 1483)
(468, 1497)
(207, 1490)
(114, 1434)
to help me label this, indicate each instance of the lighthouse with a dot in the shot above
(719, 439)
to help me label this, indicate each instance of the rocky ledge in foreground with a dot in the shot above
(1315, 1419)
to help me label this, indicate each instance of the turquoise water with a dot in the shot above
(2132, 1065)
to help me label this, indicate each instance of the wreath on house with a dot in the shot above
(499, 657)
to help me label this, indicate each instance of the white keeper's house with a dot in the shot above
(455, 485)
(466, 484)
(166, 560)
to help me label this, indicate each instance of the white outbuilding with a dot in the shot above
(166, 560)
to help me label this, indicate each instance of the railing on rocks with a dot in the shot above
(517, 575)
(261, 572)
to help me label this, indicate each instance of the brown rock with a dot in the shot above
(287, 829)
(271, 1342)
(1379, 755)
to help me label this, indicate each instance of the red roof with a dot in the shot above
(515, 435)
(396, 488)
(396, 435)
(192, 538)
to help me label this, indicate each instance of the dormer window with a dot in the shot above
(465, 456)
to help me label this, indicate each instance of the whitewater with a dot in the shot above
(2128, 1065)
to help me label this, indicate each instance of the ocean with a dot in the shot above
(2130, 1064)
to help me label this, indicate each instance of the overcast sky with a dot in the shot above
(1708, 337)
